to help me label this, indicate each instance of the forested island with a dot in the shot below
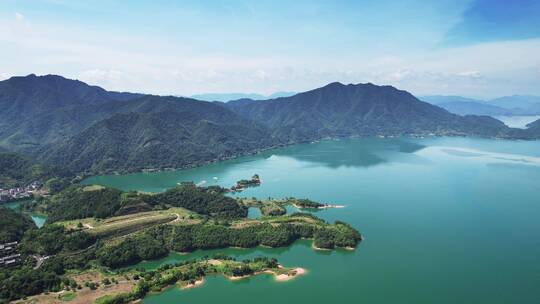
(255, 181)
(93, 233)
(275, 207)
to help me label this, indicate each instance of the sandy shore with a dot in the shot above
(291, 275)
(193, 285)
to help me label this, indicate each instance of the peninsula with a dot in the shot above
(95, 236)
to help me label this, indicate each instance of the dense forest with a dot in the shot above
(13, 225)
(78, 202)
(17, 170)
(158, 241)
(203, 200)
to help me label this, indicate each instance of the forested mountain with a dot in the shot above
(159, 132)
(534, 128)
(36, 110)
(18, 170)
(359, 110)
(88, 129)
(85, 128)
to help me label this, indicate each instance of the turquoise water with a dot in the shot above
(445, 220)
(38, 219)
(254, 213)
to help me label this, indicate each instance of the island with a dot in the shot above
(95, 236)
(275, 207)
(255, 181)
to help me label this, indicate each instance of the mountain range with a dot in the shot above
(85, 128)
(502, 106)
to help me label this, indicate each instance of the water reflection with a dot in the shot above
(365, 152)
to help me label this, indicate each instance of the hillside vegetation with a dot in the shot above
(13, 225)
(87, 129)
(339, 110)
(18, 170)
(80, 202)
(89, 232)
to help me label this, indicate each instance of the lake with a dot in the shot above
(445, 220)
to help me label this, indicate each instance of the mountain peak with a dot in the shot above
(32, 78)
(335, 84)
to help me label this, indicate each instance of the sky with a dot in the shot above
(474, 48)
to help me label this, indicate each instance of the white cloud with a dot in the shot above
(19, 17)
(472, 74)
(147, 64)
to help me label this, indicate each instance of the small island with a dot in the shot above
(242, 184)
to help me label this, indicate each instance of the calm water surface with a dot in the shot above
(445, 220)
(518, 121)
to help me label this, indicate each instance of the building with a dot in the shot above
(9, 255)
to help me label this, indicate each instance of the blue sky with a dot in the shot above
(482, 48)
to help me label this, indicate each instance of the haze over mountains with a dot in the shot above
(507, 105)
(224, 97)
(88, 129)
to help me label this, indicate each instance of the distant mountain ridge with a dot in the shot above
(224, 97)
(507, 105)
(88, 129)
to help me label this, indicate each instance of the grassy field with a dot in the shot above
(68, 296)
(126, 224)
(277, 220)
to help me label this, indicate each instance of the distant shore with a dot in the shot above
(201, 163)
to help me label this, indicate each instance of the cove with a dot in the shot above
(445, 220)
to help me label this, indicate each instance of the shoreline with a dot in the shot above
(292, 273)
(195, 284)
(282, 277)
(298, 271)
(319, 207)
(84, 175)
